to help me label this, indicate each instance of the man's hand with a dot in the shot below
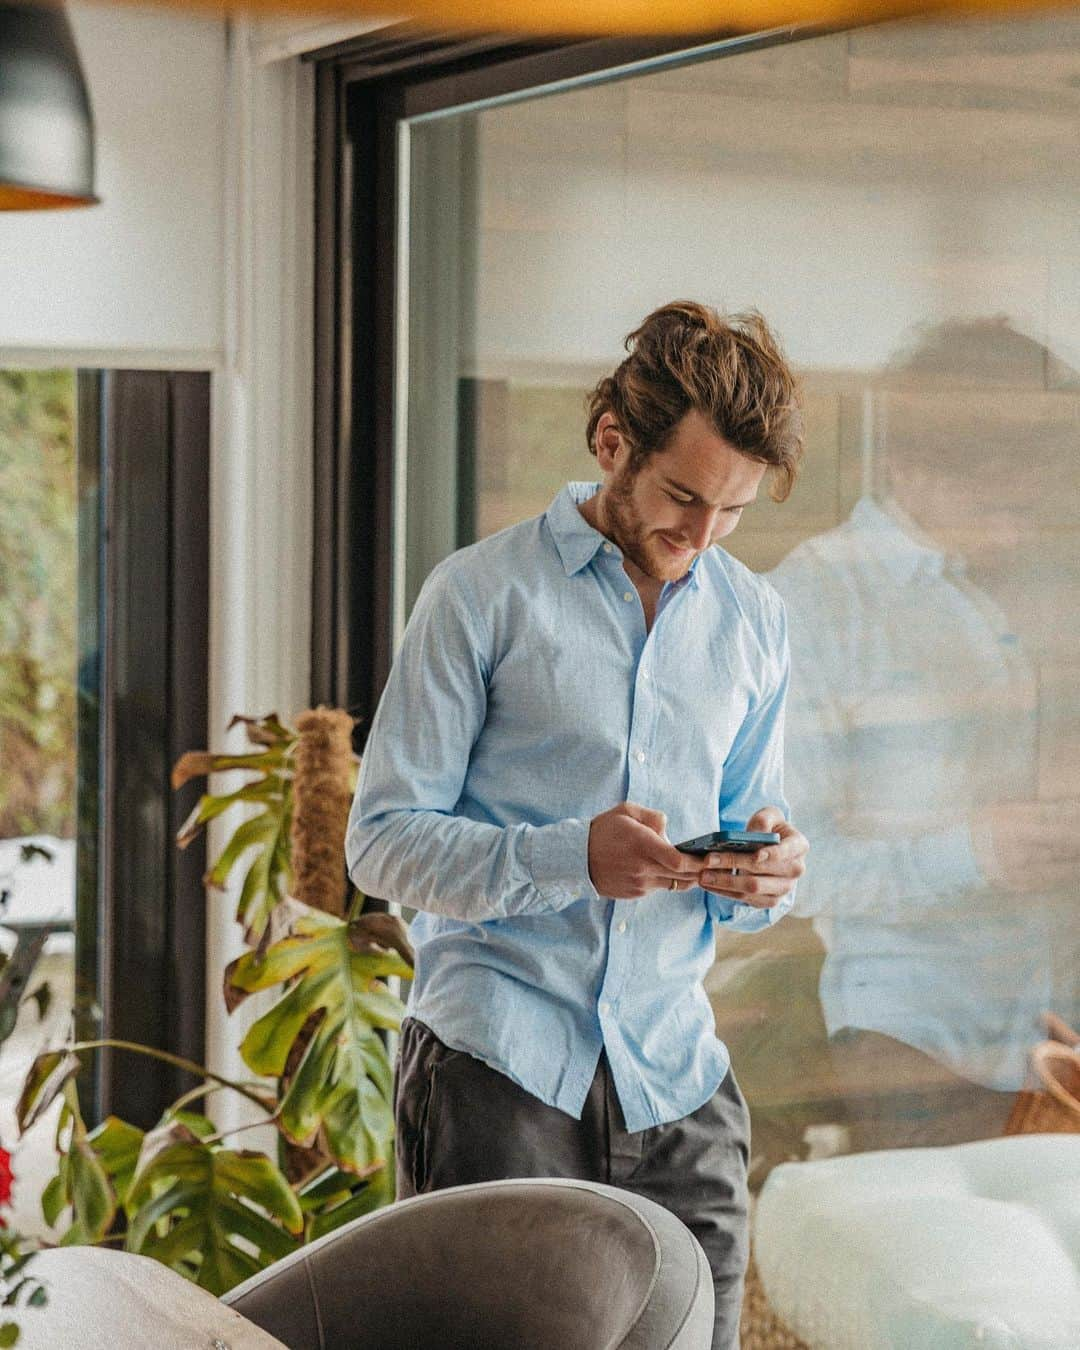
(762, 878)
(630, 855)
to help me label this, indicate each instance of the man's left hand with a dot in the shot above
(762, 878)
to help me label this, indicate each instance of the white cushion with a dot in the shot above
(928, 1249)
(109, 1300)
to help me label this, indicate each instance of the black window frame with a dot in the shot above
(143, 441)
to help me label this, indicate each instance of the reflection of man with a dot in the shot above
(597, 656)
(944, 886)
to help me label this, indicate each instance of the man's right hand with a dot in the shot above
(630, 854)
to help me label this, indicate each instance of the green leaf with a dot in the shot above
(256, 898)
(260, 829)
(343, 1083)
(9, 1334)
(210, 806)
(270, 874)
(326, 1190)
(217, 1202)
(92, 1198)
(265, 834)
(202, 1127)
(53, 1200)
(369, 1196)
(117, 1144)
(45, 1080)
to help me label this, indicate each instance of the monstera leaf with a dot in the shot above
(215, 1215)
(342, 1088)
(117, 1145)
(266, 830)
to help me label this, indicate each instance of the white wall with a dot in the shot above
(140, 278)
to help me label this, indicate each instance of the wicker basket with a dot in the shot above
(1053, 1105)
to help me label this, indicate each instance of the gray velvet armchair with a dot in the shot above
(538, 1264)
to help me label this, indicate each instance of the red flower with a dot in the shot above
(6, 1177)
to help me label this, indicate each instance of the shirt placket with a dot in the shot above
(626, 915)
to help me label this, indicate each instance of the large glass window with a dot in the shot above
(900, 203)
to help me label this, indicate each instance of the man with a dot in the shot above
(572, 695)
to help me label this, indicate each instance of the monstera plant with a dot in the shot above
(181, 1192)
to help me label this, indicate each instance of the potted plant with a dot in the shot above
(181, 1192)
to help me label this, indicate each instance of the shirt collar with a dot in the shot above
(576, 540)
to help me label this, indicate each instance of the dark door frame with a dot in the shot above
(364, 89)
(144, 477)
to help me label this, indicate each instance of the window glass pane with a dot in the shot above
(38, 644)
(900, 203)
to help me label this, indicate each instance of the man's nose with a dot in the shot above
(700, 528)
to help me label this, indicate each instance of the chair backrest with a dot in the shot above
(557, 1264)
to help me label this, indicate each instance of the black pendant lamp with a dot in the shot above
(46, 126)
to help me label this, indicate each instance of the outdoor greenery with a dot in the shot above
(179, 1192)
(38, 576)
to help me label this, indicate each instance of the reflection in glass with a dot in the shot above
(921, 754)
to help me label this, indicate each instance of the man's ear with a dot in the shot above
(608, 441)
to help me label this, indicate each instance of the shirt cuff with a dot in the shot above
(557, 857)
(737, 917)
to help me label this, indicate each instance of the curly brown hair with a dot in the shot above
(686, 356)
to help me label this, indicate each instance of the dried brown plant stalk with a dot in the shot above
(322, 795)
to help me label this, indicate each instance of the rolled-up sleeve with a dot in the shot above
(404, 842)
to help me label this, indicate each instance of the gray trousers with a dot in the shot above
(459, 1121)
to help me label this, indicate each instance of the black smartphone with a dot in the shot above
(728, 841)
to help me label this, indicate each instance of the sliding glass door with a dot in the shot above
(899, 202)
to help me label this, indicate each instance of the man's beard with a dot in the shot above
(629, 532)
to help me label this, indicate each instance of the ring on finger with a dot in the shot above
(674, 886)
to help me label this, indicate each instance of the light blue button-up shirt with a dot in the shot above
(527, 698)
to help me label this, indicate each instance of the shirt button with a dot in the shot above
(605, 1008)
(607, 548)
(645, 675)
(622, 926)
(640, 756)
(628, 595)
